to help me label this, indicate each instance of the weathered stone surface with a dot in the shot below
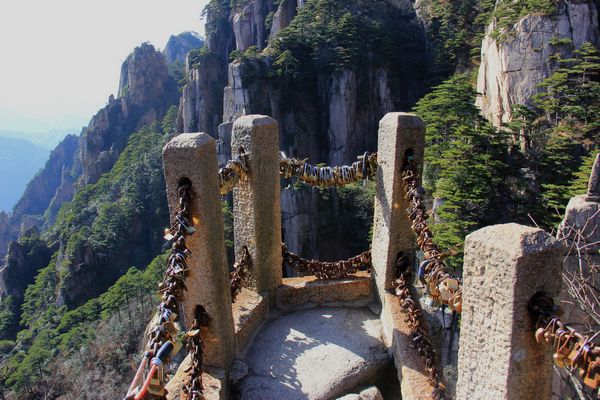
(282, 18)
(505, 265)
(411, 369)
(398, 133)
(511, 70)
(370, 393)
(213, 380)
(256, 201)
(243, 27)
(249, 311)
(194, 156)
(315, 354)
(295, 293)
(201, 102)
(580, 227)
(224, 143)
(351, 396)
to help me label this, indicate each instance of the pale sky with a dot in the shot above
(61, 59)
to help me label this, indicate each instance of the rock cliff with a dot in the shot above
(514, 63)
(180, 45)
(146, 91)
(48, 190)
(331, 118)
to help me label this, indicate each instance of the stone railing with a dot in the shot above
(504, 267)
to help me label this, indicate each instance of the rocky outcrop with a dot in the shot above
(249, 23)
(345, 345)
(180, 45)
(23, 260)
(48, 190)
(331, 119)
(513, 66)
(283, 16)
(146, 91)
(201, 102)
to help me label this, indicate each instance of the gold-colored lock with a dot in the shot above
(591, 377)
(562, 347)
(575, 356)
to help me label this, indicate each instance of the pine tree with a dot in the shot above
(463, 160)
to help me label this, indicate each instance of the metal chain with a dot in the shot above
(231, 173)
(363, 169)
(439, 279)
(418, 331)
(194, 388)
(326, 270)
(572, 350)
(240, 272)
(167, 337)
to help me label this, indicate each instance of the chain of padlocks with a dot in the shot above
(572, 350)
(324, 269)
(324, 176)
(231, 173)
(168, 336)
(418, 330)
(239, 274)
(439, 279)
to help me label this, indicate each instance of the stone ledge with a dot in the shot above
(249, 311)
(213, 380)
(308, 292)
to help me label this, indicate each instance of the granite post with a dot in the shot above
(504, 267)
(193, 157)
(257, 203)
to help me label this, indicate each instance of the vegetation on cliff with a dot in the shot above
(106, 229)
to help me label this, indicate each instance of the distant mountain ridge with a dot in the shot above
(20, 159)
(47, 140)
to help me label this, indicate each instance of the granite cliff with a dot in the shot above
(146, 91)
(515, 59)
(329, 115)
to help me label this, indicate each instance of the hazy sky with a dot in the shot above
(61, 59)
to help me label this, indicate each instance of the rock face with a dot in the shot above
(22, 263)
(333, 119)
(146, 91)
(180, 45)
(48, 190)
(579, 228)
(512, 68)
(316, 354)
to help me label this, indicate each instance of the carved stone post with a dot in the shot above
(398, 133)
(256, 201)
(505, 265)
(193, 156)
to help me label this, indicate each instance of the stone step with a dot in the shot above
(321, 353)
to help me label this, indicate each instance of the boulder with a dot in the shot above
(315, 354)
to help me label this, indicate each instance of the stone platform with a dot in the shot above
(321, 353)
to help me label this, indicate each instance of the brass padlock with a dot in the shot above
(592, 375)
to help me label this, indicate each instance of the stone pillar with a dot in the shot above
(505, 265)
(256, 201)
(194, 156)
(398, 133)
